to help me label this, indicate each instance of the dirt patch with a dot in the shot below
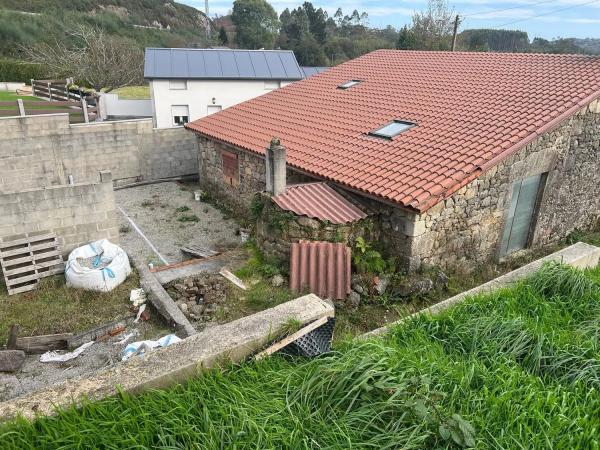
(170, 218)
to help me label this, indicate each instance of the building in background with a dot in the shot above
(188, 84)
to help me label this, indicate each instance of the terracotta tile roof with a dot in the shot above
(319, 201)
(471, 109)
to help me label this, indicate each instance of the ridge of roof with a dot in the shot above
(472, 111)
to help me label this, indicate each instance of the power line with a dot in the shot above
(507, 9)
(546, 13)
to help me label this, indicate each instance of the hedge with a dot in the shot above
(13, 70)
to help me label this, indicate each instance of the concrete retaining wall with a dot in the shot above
(77, 214)
(164, 367)
(41, 151)
(578, 255)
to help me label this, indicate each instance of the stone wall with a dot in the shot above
(276, 229)
(78, 214)
(41, 151)
(251, 174)
(468, 226)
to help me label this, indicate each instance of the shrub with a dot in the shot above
(13, 70)
(366, 259)
(188, 218)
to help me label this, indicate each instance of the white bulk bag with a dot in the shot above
(107, 266)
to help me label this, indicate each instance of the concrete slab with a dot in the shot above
(162, 301)
(580, 255)
(190, 269)
(168, 366)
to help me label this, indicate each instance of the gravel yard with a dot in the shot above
(170, 218)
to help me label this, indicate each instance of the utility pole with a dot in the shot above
(456, 22)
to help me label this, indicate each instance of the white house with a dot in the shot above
(188, 84)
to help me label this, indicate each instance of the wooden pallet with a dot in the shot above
(25, 261)
(199, 252)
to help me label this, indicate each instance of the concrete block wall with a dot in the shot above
(41, 151)
(77, 214)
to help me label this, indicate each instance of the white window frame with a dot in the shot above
(183, 118)
(178, 85)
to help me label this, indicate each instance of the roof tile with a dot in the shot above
(470, 109)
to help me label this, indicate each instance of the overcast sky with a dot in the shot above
(547, 19)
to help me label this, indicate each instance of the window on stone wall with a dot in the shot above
(231, 168)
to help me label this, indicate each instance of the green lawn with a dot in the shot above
(133, 92)
(6, 96)
(515, 369)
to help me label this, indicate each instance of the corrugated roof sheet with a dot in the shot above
(319, 201)
(191, 63)
(471, 111)
(323, 268)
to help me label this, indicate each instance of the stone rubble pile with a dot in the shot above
(199, 297)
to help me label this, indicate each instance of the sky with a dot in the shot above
(539, 18)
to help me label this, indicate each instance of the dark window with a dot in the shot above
(521, 213)
(180, 120)
(392, 129)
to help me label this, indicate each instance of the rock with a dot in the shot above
(354, 299)
(11, 360)
(190, 305)
(418, 287)
(197, 310)
(10, 386)
(381, 283)
(183, 307)
(277, 281)
(441, 280)
(358, 288)
(180, 288)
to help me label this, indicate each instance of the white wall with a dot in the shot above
(199, 96)
(112, 106)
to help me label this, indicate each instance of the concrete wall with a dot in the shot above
(77, 214)
(199, 95)
(111, 106)
(469, 225)
(40, 151)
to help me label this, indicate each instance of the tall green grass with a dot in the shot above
(515, 369)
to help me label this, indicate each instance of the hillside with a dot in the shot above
(161, 23)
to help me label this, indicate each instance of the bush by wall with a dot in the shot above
(14, 70)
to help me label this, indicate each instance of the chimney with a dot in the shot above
(275, 167)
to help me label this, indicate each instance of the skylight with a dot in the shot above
(392, 129)
(348, 84)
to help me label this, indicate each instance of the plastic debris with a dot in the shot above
(137, 297)
(141, 347)
(54, 356)
(127, 337)
(139, 313)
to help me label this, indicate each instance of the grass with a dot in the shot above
(55, 308)
(133, 92)
(515, 369)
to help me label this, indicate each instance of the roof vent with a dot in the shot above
(392, 129)
(349, 84)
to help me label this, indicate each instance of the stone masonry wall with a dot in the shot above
(41, 151)
(77, 214)
(276, 229)
(468, 226)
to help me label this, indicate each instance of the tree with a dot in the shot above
(95, 59)
(223, 40)
(406, 39)
(317, 20)
(433, 27)
(256, 24)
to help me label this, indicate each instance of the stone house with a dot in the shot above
(463, 157)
